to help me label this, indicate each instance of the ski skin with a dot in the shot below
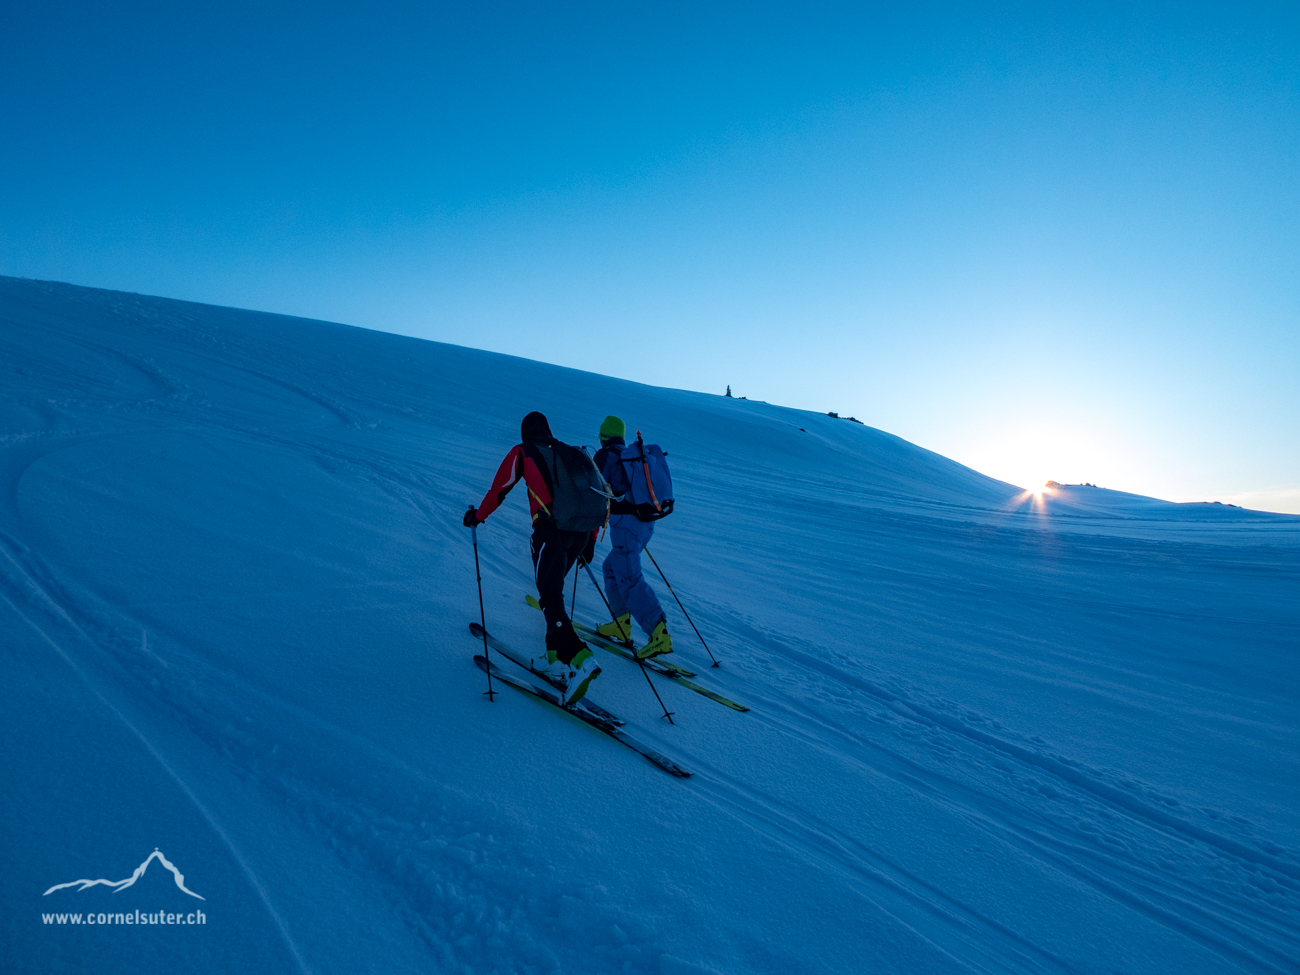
(515, 657)
(615, 732)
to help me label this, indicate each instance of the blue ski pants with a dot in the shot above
(625, 586)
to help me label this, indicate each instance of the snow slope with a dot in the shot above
(989, 734)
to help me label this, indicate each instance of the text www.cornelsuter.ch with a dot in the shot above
(127, 917)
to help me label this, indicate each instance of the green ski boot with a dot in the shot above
(582, 671)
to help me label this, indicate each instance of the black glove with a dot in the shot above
(589, 552)
(471, 517)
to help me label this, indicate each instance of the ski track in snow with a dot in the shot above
(979, 844)
(364, 822)
(1200, 911)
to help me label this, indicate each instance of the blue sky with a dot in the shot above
(1049, 243)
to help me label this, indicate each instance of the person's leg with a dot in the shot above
(610, 569)
(573, 543)
(583, 668)
(619, 627)
(553, 554)
(640, 599)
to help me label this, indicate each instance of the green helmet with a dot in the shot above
(612, 427)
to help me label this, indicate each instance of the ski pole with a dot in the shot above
(478, 576)
(683, 608)
(573, 603)
(667, 714)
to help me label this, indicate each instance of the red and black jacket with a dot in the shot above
(519, 463)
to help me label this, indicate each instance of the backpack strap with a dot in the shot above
(533, 450)
(645, 469)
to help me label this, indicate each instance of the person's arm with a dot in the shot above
(614, 474)
(589, 550)
(508, 475)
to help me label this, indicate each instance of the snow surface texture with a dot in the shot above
(988, 734)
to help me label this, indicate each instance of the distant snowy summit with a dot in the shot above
(1092, 502)
(1055, 486)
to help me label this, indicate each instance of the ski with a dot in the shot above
(657, 664)
(514, 656)
(615, 732)
(677, 675)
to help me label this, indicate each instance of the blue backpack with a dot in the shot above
(651, 490)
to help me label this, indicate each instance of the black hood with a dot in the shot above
(535, 427)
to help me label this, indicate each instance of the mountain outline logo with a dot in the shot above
(122, 885)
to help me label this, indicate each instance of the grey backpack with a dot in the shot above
(579, 495)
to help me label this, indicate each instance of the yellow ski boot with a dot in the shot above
(619, 629)
(660, 642)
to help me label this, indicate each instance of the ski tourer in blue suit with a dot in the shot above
(626, 588)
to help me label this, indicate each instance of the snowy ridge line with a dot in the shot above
(1222, 531)
(202, 809)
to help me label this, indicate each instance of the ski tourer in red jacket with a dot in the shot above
(554, 552)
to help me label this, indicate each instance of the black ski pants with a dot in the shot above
(554, 553)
